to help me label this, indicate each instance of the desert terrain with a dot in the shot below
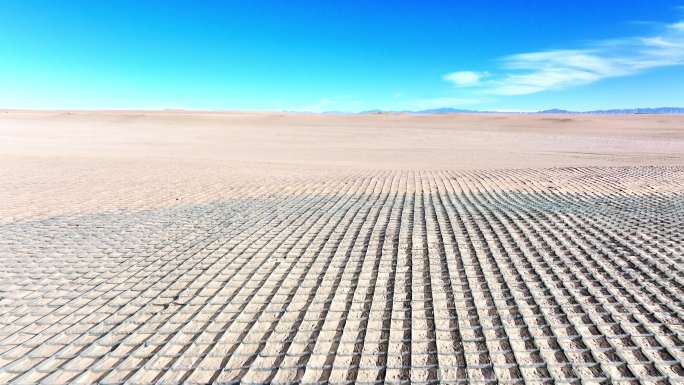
(171, 247)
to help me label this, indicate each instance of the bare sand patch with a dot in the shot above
(157, 157)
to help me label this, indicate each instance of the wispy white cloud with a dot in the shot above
(465, 78)
(678, 26)
(531, 72)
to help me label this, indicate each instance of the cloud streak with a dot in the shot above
(532, 72)
(465, 78)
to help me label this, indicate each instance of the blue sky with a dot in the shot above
(341, 55)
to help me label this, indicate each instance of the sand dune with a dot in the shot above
(192, 248)
(378, 141)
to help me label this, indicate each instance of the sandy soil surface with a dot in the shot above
(387, 141)
(150, 159)
(175, 247)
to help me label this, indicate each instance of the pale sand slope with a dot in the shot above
(369, 141)
(95, 158)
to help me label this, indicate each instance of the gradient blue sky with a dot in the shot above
(341, 55)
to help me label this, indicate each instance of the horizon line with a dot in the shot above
(429, 111)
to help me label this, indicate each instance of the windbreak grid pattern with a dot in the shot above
(569, 275)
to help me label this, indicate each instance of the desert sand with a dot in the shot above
(383, 141)
(173, 247)
(148, 159)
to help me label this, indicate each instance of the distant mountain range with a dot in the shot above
(446, 110)
(660, 110)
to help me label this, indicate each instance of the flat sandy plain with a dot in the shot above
(224, 247)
